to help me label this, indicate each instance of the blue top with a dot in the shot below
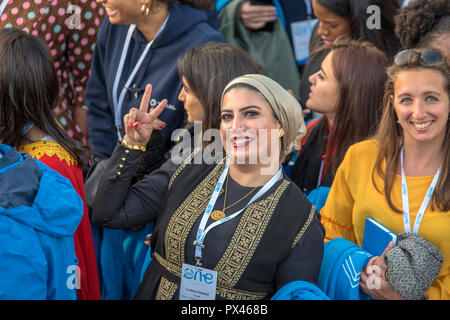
(186, 28)
(39, 214)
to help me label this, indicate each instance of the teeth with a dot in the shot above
(109, 9)
(240, 140)
(422, 125)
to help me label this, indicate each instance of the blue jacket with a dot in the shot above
(39, 214)
(300, 290)
(186, 28)
(341, 268)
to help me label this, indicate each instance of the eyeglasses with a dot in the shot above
(429, 56)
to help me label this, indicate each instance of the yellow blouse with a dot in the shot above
(353, 197)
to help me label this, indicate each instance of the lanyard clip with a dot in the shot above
(198, 262)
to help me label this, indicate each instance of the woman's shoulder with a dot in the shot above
(294, 196)
(51, 149)
(364, 149)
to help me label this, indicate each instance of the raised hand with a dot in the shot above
(141, 122)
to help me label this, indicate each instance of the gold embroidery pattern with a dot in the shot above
(49, 148)
(187, 213)
(182, 166)
(305, 226)
(171, 267)
(227, 293)
(236, 294)
(246, 238)
(166, 289)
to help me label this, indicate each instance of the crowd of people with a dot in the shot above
(249, 142)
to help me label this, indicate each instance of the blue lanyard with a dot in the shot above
(3, 6)
(118, 100)
(423, 206)
(201, 232)
(309, 10)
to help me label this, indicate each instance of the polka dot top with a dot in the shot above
(70, 30)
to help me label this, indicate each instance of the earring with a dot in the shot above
(281, 133)
(145, 9)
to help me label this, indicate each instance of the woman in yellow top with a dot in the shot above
(412, 143)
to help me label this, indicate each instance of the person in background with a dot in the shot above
(425, 24)
(348, 91)
(140, 42)
(29, 91)
(70, 29)
(258, 30)
(272, 207)
(39, 213)
(349, 19)
(400, 177)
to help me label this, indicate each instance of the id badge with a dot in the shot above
(197, 283)
(301, 34)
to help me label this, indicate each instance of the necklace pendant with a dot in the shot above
(218, 215)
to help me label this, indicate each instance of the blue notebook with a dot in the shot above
(377, 237)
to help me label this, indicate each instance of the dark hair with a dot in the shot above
(360, 70)
(208, 69)
(422, 22)
(389, 136)
(197, 4)
(356, 12)
(29, 90)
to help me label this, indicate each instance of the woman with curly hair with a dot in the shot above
(425, 23)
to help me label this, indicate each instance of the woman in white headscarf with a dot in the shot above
(240, 222)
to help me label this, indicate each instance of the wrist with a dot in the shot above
(132, 145)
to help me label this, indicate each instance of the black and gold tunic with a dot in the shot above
(276, 240)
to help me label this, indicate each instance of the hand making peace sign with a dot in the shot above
(140, 123)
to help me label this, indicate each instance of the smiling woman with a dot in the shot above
(401, 176)
(224, 216)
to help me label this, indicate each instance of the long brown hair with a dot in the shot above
(390, 133)
(360, 70)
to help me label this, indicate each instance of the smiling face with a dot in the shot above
(192, 104)
(331, 25)
(324, 95)
(421, 103)
(248, 128)
(122, 11)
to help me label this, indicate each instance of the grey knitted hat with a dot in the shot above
(412, 265)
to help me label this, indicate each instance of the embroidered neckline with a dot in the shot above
(40, 148)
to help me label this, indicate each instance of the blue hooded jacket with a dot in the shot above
(340, 271)
(186, 28)
(39, 214)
